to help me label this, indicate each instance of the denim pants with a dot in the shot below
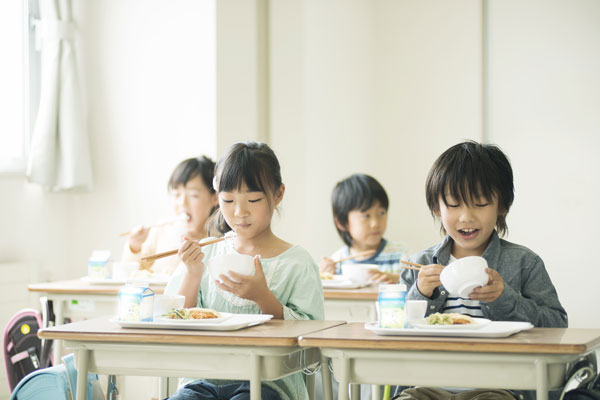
(202, 390)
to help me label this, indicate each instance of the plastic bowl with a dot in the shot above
(358, 273)
(465, 274)
(221, 265)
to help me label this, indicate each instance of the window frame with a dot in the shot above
(30, 87)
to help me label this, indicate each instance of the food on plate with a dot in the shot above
(327, 276)
(449, 319)
(192, 313)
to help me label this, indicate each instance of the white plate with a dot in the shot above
(224, 316)
(477, 324)
(152, 280)
(235, 322)
(493, 330)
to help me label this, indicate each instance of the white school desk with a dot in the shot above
(351, 305)
(535, 359)
(263, 352)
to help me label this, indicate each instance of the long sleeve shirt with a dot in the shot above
(528, 295)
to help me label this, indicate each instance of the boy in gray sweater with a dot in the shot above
(470, 189)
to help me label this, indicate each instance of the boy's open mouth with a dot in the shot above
(468, 233)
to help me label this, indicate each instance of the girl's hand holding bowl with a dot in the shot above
(245, 286)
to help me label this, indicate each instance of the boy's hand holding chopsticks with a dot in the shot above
(428, 278)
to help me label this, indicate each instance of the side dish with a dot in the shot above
(192, 313)
(449, 319)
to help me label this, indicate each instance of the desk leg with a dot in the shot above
(82, 373)
(376, 392)
(541, 380)
(255, 379)
(163, 387)
(344, 379)
(326, 379)
(355, 391)
(310, 386)
(59, 320)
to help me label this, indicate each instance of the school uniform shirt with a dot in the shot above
(528, 295)
(387, 257)
(294, 279)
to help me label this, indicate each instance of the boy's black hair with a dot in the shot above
(468, 171)
(356, 192)
(251, 163)
(190, 168)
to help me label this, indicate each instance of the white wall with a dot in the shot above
(372, 87)
(545, 93)
(346, 99)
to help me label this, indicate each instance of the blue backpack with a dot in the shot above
(56, 383)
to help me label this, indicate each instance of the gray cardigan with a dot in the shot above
(528, 295)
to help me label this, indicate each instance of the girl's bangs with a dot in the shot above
(245, 172)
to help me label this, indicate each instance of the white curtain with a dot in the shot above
(59, 157)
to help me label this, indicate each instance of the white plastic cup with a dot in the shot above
(163, 303)
(415, 309)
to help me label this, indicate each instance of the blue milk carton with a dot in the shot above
(136, 303)
(390, 305)
(97, 264)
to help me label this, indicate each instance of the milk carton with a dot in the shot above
(97, 264)
(136, 303)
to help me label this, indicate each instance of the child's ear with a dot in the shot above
(339, 225)
(214, 199)
(437, 213)
(279, 195)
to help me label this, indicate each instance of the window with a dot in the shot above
(13, 138)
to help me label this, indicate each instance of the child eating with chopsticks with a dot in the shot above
(360, 211)
(193, 199)
(470, 189)
(285, 282)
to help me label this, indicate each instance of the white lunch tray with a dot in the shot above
(492, 330)
(158, 281)
(235, 322)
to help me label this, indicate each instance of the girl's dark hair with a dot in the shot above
(468, 171)
(188, 169)
(251, 163)
(357, 192)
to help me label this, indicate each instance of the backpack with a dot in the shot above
(56, 383)
(583, 382)
(23, 350)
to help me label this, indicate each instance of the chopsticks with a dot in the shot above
(411, 265)
(158, 225)
(361, 254)
(173, 252)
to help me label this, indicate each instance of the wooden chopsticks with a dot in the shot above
(411, 265)
(173, 252)
(357, 255)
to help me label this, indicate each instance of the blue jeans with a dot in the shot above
(202, 390)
